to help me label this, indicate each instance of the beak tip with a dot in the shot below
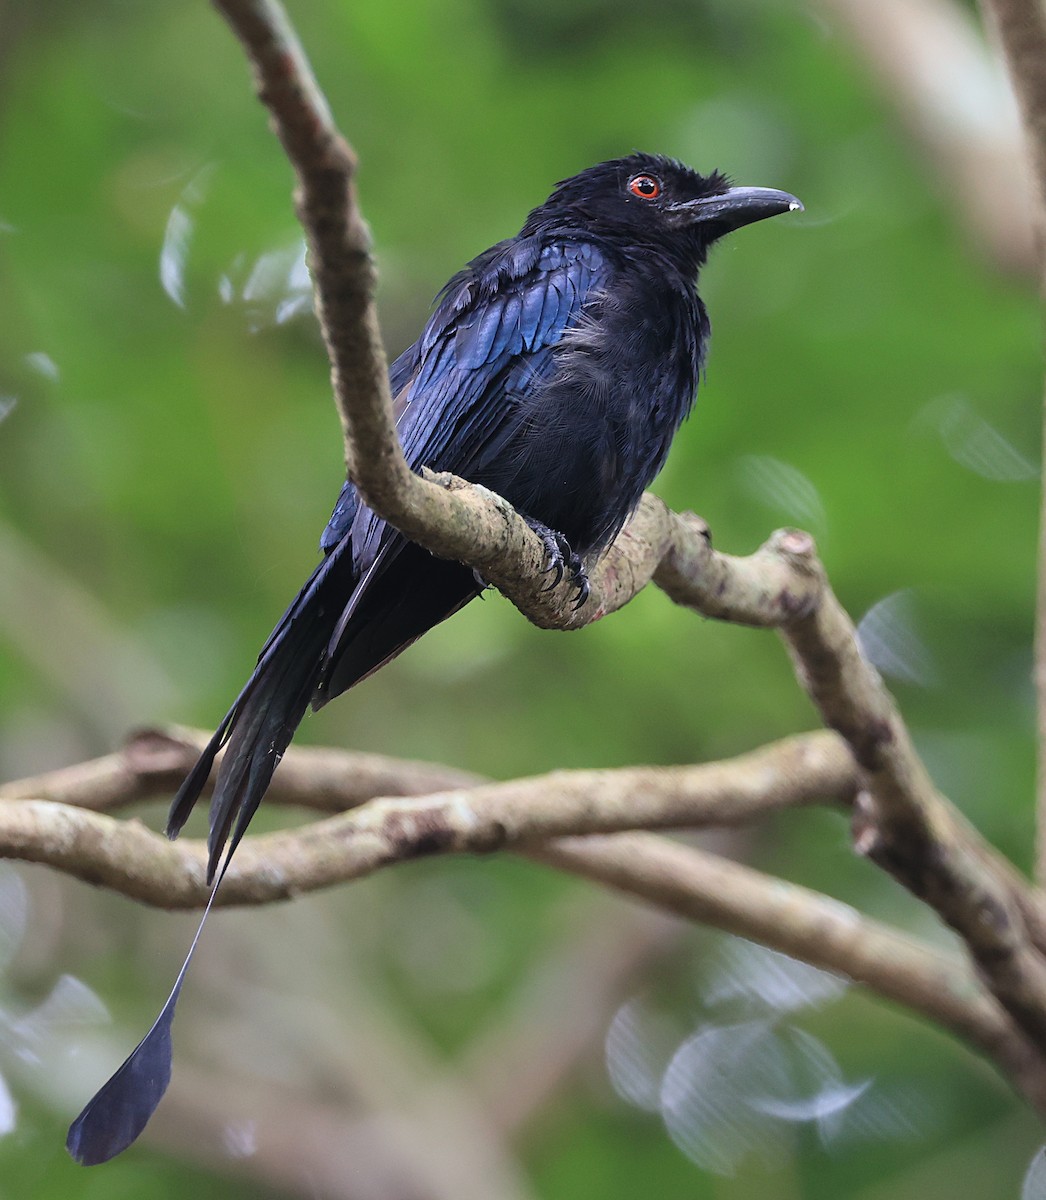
(738, 206)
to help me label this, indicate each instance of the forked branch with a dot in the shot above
(901, 821)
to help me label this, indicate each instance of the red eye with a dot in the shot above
(646, 187)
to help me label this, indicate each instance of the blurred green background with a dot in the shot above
(169, 454)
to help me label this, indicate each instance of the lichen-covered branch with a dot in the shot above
(907, 827)
(452, 518)
(127, 857)
(153, 762)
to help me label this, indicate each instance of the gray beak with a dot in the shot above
(738, 206)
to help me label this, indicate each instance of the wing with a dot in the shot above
(489, 343)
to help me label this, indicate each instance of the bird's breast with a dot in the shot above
(598, 430)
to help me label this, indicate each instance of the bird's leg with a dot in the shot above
(561, 560)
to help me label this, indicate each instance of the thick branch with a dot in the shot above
(129, 858)
(910, 829)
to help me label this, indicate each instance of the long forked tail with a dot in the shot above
(338, 630)
(256, 731)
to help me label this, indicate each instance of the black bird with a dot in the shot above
(554, 370)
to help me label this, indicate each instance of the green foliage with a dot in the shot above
(177, 471)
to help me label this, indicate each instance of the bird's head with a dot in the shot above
(651, 200)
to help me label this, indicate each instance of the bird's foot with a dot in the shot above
(562, 560)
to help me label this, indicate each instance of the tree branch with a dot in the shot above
(901, 821)
(907, 827)
(467, 815)
(125, 856)
(916, 834)
(787, 917)
(153, 762)
(128, 858)
(448, 516)
(929, 56)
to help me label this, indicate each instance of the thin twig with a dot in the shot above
(1021, 26)
(153, 762)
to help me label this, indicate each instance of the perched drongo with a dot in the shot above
(555, 370)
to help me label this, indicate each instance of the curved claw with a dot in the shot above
(562, 561)
(584, 588)
(557, 551)
(579, 578)
(556, 565)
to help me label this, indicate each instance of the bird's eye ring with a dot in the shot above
(646, 187)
